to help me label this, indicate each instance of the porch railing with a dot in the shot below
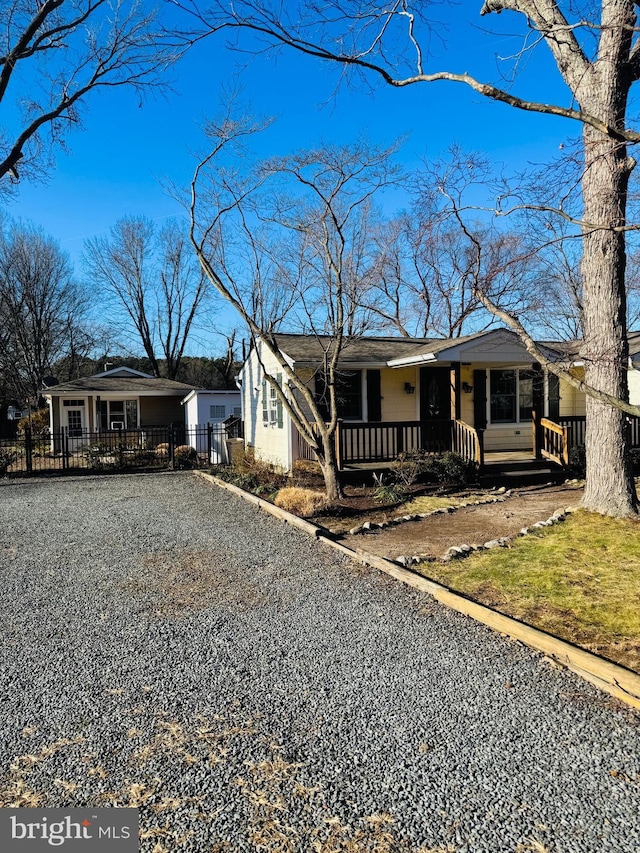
(383, 442)
(554, 442)
(554, 439)
(468, 442)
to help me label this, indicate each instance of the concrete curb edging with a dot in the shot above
(612, 678)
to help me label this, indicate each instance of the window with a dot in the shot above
(237, 411)
(503, 396)
(217, 412)
(348, 394)
(272, 410)
(74, 419)
(511, 396)
(74, 403)
(123, 412)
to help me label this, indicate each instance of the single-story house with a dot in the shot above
(119, 398)
(475, 394)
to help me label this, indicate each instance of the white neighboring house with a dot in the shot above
(118, 398)
(202, 408)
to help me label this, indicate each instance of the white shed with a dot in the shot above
(202, 408)
(211, 407)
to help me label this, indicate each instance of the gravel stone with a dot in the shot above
(168, 645)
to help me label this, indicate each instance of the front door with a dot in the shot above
(435, 393)
(75, 424)
(435, 408)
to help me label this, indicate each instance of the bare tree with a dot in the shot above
(597, 53)
(427, 284)
(56, 53)
(288, 241)
(153, 282)
(42, 310)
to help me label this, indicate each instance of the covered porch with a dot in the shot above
(370, 445)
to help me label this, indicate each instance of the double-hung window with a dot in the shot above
(511, 396)
(272, 412)
(348, 391)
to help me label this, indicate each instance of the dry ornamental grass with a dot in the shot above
(302, 502)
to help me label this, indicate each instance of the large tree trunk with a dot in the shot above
(609, 487)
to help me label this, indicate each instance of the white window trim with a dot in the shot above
(213, 406)
(110, 417)
(517, 422)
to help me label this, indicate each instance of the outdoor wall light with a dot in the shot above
(467, 388)
(409, 388)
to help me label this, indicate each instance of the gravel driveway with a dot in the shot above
(169, 646)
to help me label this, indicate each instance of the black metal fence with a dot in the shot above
(153, 447)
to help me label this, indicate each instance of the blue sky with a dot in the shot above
(115, 167)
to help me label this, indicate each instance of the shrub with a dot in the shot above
(410, 467)
(185, 456)
(303, 502)
(305, 471)
(455, 469)
(39, 423)
(418, 466)
(252, 475)
(578, 460)
(7, 458)
(162, 451)
(386, 491)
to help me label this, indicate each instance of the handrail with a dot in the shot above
(468, 442)
(554, 442)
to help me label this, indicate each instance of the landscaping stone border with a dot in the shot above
(612, 678)
(456, 552)
(368, 526)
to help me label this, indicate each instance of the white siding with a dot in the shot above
(270, 443)
(634, 386)
(197, 410)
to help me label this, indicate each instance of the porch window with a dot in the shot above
(348, 385)
(511, 396)
(123, 412)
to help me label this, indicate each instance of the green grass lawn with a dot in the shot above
(579, 580)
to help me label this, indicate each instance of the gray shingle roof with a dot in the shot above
(124, 384)
(309, 349)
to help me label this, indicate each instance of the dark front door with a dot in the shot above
(435, 393)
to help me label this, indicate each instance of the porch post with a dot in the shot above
(536, 427)
(480, 434)
(455, 391)
(538, 408)
(338, 440)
